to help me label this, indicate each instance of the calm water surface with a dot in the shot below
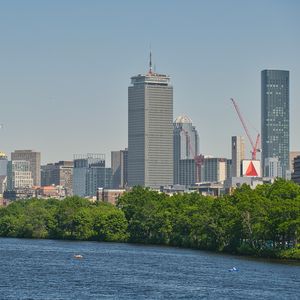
(45, 269)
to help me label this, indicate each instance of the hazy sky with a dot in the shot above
(65, 67)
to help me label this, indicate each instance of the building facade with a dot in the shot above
(3, 164)
(150, 130)
(296, 173)
(34, 158)
(275, 118)
(214, 169)
(119, 166)
(237, 155)
(19, 175)
(58, 174)
(272, 168)
(89, 174)
(293, 155)
(187, 172)
(3, 184)
(185, 149)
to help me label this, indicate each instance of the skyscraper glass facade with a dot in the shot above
(275, 118)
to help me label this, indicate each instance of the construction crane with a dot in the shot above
(254, 146)
(197, 158)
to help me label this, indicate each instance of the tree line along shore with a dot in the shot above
(262, 222)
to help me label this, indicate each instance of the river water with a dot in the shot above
(47, 269)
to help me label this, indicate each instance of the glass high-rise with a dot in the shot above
(275, 118)
(186, 147)
(150, 130)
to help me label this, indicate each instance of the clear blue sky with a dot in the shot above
(65, 67)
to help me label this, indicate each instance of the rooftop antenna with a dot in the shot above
(150, 63)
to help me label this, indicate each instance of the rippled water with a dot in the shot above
(47, 269)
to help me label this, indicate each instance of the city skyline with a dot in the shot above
(61, 61)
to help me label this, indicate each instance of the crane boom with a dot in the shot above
(254, 146)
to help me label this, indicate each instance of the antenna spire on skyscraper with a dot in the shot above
(150, 63)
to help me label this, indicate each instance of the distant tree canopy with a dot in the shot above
(264, 221)
(73, 218)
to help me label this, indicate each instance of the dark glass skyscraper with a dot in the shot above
(275, 118)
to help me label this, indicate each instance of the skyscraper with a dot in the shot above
(119, 166)
(275, 117)
(34, 158)
(237, 155)
(186, 147)
(150, 130)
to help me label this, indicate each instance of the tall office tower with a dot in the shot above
(237, 155)
(214, 169)
(275, 118)
(60, 173)
(185, 148)
(150, 130)
(35, 163)
(119, 161)
(18, 175)
(3, 164)
(89, 174)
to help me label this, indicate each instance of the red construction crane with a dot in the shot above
(197, 158)
(255, 148)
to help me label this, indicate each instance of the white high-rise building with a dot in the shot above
(150, 130)
(19, 175)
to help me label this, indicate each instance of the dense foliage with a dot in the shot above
(73, 218)
(264, 221)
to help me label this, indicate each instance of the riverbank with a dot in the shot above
(264, 222)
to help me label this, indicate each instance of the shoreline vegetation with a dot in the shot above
(264, 222)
